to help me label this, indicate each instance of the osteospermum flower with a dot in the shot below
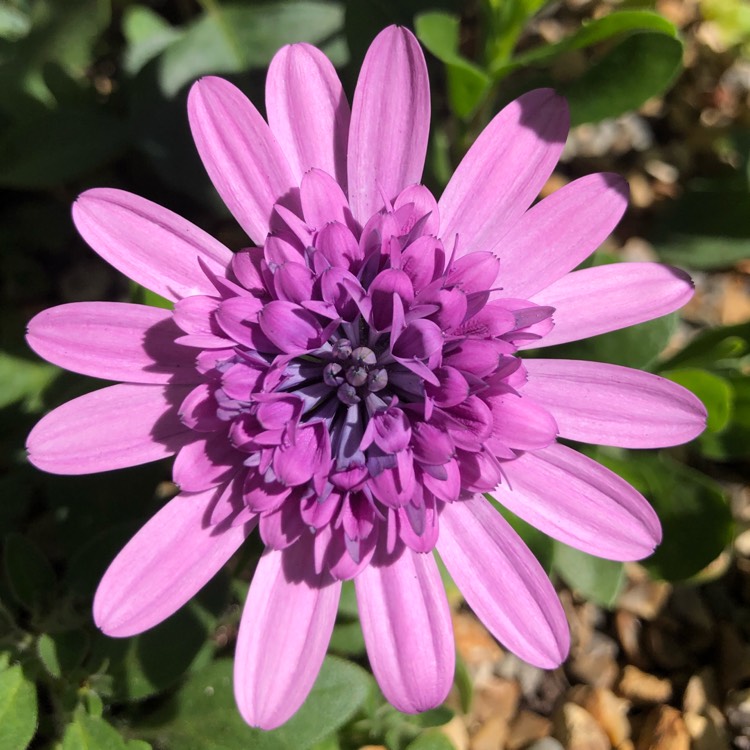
(352, 385)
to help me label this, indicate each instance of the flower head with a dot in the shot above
(352, 385)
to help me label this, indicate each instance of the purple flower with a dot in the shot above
(352, 386)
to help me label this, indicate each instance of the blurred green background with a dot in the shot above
(93, 93)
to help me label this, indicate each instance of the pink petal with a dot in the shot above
(503, 171)
(149, 243)
(503, 582)
(290, 327)
(123, 425)
(605, 298)
(390, 122)
(408, 632)
(168, 561)
(520, 422)
(113, 340)
(559, 232)
(284, 633)
(241, 155)
(612, 405)
(308, 111)
(576, 500)
(205, 463)
(323, 200)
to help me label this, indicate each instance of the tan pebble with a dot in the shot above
(705, 733)
(527, 727)
(492, 735)
(645, 599)
(473, 641)
(742, 543)
(629, 628)
(641, 687)
(597, 664)
(734, 657)
(577, 729)
(610, 712)
(700, 691)
(664, 729)
(455, 730)
(496, 697)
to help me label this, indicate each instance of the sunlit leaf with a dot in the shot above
(91, 733)
(62, 652)
(203, 716)
(598, 580)
(18, 709)
(714, 391)
(641, 66)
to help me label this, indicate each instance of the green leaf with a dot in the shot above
(150, 663)
(707, 227)
(641, 66)
(598, 580)
(432, 740)
(203, 716)
(29, 574)
(63, 33)
(464, 684)
(235, 37)
(347, 639)
(62, 652)
(593, 32)
(468, 84)
(637, 346)
(18, 709)
(694, 513)
(147, 35)
(715, 348)
(14, 22)
(68, 143)
(715, 392)
(732, 443)
(24, 380)
(91, 733)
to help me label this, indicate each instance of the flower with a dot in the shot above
(352, 385)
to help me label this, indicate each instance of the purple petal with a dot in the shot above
(390, 122)
(576, 500)
(323, 201)
(569, 225)
(605, 298)
(240, 153)
(290, 327)
(308, 111)
(168, 561)
(123, 425)
(293, 282)
(297, 462)
(205, 463)
(423, 208)
(520, 422)
(286, 625)
(113, 340)
(503, 582)
(612, 405)
(503, 171)
(148, 243)
(408, 632)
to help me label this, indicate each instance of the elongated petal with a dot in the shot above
(408, 632)
(612, 405)
(241, 155)
(113, 340)
(164, 565)
(123, 425)
(503, 171)
(284, 634)
(605, 298)
(559, 232)
(576, 500)
(390, 122)
(149, 243)
(503, 582)
(308, 111)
